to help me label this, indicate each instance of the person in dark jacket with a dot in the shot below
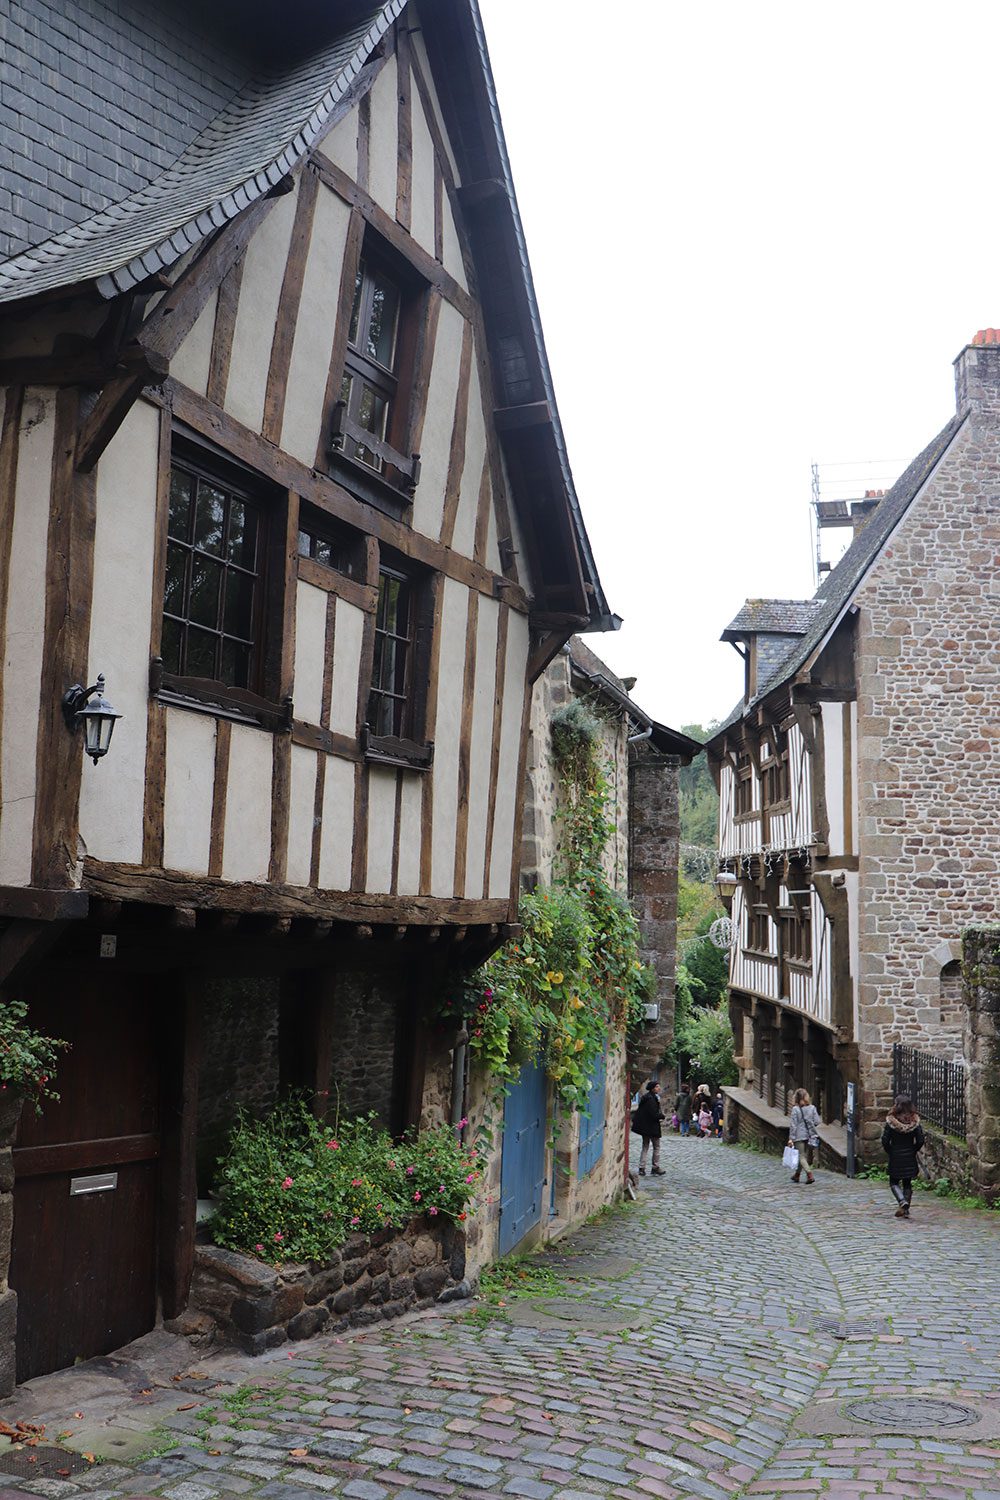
(648, 1118)
(683, 1108)
(902, 1138)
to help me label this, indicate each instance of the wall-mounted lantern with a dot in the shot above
(725, 885)
(95, 714)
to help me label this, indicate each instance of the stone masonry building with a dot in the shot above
(859, 781)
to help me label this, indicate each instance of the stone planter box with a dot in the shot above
(369, 1280)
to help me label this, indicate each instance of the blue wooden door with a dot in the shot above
(522, 1162)
(592, 1120)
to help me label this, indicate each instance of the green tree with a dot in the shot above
(699, 801)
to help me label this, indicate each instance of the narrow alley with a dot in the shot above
(731, 1334)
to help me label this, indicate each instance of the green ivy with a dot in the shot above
(575, 973)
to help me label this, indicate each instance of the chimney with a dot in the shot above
(977, 372)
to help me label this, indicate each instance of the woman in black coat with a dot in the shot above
(902, 1138)
(647, 1122)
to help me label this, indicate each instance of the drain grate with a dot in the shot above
(846, 1328)
(41, 1462)
(912, 1414)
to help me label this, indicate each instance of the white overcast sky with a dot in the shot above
(759, 235)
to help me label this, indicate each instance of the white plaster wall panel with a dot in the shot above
(447, 727)
(310, 359)
(481, 749)
(464, 539)
(301, 815)
(260, 290)
(422, 180)
(25, 634)
(246, 849)
(419, 53)
(492, 546)
(347, 631)
(337, 836)
(410, 812)
(310, 651)
(435, 445)
(451, 246)
(340, 145)
(381, 827)
(111, 806)
(383, 141)
(510, 752)
(833, 757)
(190, 365)
(189, 786)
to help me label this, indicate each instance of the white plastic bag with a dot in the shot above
(790, 1158)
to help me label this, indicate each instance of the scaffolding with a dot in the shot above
(843, 498)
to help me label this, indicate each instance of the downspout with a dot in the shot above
(458, 1057)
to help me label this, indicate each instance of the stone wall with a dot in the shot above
(370, 1280)
(239, 1060)
(654, 850)
(981, 976)
(929, 772)
(365, 1053)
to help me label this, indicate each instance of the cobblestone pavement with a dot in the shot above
(721, 1363)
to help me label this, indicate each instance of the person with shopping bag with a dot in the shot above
(803, 1134)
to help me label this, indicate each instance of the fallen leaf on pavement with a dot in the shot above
(406, 1411)
(62, 1473)
(297, 1452)
(215, 1452)
(88, 1456)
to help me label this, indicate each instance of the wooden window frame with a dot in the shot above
(259, 704)
(775, 791)
(743, 774)
(796, 920)
(757, 913)
(391, 486)
(407, 745)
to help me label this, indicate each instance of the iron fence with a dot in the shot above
(936, 1086)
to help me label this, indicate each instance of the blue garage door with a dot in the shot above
(522, 1163)
(592, 1123)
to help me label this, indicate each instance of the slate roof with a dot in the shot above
(260, 135)
(772, 617)
(600, 676)
(836, 589)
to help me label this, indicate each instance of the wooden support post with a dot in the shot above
(181, 1051)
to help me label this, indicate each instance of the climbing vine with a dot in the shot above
(575, 972)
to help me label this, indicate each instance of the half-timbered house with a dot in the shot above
(280, 458)
(857, 780)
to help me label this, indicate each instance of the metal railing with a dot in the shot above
(936, 1086)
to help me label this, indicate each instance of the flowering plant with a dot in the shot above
(292, 1189)
(28, 1059)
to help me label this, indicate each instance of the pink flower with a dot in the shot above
(392, 1164)
(469, 1178)
(355, 1182)
(463, 1122)
(279, 1235)
(287, 1183)
(259, 1249)
(355, 1220)
(441, 1188)
(432, 1209)
(410, 1171)
(333, 1145)
(416, 1197)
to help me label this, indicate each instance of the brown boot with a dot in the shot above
(796, 1174)
(809, 1178)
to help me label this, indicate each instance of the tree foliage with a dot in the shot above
(699, 801)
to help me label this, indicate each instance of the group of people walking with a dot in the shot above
(902, 1138)
(902, 1135)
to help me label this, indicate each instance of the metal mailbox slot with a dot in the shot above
(101, 1182)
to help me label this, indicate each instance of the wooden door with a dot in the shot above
(85, 1178)
(522, 1161)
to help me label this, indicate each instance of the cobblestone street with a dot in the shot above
(710, 1342)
